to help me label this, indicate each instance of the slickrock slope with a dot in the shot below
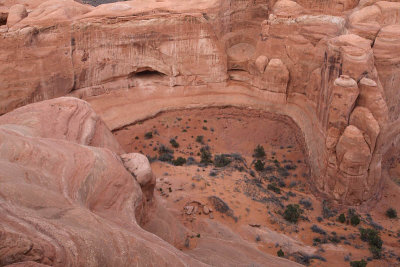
(64, 203)
(72, 201)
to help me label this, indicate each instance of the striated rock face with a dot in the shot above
(67, 203)
(64, 118)
(328, 65)
(387, 58)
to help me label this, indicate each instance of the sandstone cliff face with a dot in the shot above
(297, 55)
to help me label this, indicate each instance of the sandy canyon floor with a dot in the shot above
(231, 191)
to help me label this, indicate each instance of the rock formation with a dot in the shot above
(331, 66)
(283, 53)
(69, 198)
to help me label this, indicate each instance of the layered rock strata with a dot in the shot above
(131, 60)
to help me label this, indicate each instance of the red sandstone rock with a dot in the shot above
(363, 119)
(344, 96)
(64, 118)
(69, 203)
(276, 76)
(16, 14)
(387, 58)
(139, 166)
(135, 59)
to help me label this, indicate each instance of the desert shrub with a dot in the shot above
(334, 239)
(179, 161)
(259, 152)
(305, 259)
(148, 135)
(269, 168)
(292, 213)
(376, 252)
(221, 160)
(283, 172)
(391, 213)
(274, 188)
(174, 143)
(354, 220)
(165, 154)
(205, 155)
(374, 240)
(342, 218)
(290, 166)
(205, 128)
(307, 204)
(200, 139)
(361, 263)
(327, 212)
(317, 229)
(213, 173)
(281, 183)
(280, 253)
(259, 165)
(190, 161)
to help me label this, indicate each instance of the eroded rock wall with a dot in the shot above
(332, 67)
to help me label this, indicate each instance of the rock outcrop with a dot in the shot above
(131, 59)
(70, 195)
(67, 200)
(67, 203)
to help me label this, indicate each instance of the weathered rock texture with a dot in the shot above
(66, 200)
(331, 66)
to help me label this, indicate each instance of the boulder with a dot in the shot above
(139, 166)
(363, 119)
(276, 76)
(344, 96)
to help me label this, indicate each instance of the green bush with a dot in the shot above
(148, 135)
(165, 154)
(259, 152)
(179, 161)
(205, 155)
(280, 253)
(221, 160)
(173, 143)
(274, 188)
(374, 240)
(391, 213)
(355, 220)
(259, 165)
(361, 263)
(376, 252)
(200, 139)
(342, 218)
(292, 213)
